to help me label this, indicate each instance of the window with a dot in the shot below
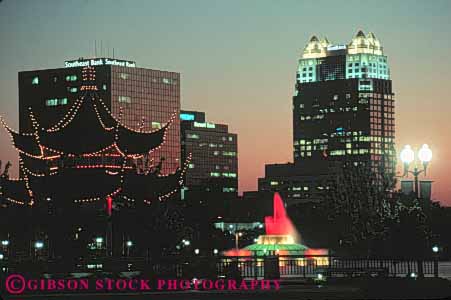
(192, 136)
(156, 125)
(104, 87)
(229, 153)
(230, 139)
(124, 76)
(51, 102)
(72, 89)
(125, 99)
(56, 101)
(71, 78)
(232, 175)
(35, 80)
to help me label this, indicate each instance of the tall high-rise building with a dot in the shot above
(140, 98)
(343, 114)
(214, 163)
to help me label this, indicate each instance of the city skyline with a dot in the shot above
(236, 56)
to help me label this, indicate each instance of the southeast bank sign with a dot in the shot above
(98, 62)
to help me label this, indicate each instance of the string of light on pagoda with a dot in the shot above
(26, 181)
(114, 193)
(166, 129)
(141, 125)
(173, 116)
(94, 199)
(183, 171)
(100, 119)
(43, 148)
(69, 117)
(72, 154)
(128, 199)
(119, 123)
(14, 201)
(10, 199)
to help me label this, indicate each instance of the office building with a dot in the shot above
(343, 112)
(142, 99)
(214, 164)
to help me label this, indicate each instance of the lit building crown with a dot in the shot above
(316, 48)
(364, 58)
(365, 44)
(360, 43)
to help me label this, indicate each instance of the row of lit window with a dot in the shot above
(355, 139)
(56, 101)
(228, 175)
(126, 76)
(342, 152)
(196, 136)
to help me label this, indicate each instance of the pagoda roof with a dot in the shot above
(82, 134)
(26, 143)
(87, 128)
(76, 184)
(15, 191)
(151, 186)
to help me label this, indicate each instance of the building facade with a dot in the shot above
(140, 98)
(343, 114)
(214, 164)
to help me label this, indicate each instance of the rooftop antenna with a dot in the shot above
(113, 52)
(95, 48)
(101, 48)
(108, 48)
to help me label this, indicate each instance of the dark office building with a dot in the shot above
(214, 164)
(140, 98)
(343, 114)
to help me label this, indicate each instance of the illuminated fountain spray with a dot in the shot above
(281, 238)
(279, 226)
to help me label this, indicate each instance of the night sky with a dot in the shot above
(238, 61)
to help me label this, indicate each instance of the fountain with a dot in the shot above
(281, 237)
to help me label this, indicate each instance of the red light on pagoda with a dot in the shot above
(109, 205)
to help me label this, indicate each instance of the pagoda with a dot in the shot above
(88, 158)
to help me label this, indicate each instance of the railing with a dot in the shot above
(274, 266)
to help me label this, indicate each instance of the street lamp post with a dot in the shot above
(435, 250)
(38, 245)
(129, 244)
(237, 235)
(408, 156)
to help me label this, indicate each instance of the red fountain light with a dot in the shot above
(279, 223)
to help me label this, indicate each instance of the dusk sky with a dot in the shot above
(238, 61)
